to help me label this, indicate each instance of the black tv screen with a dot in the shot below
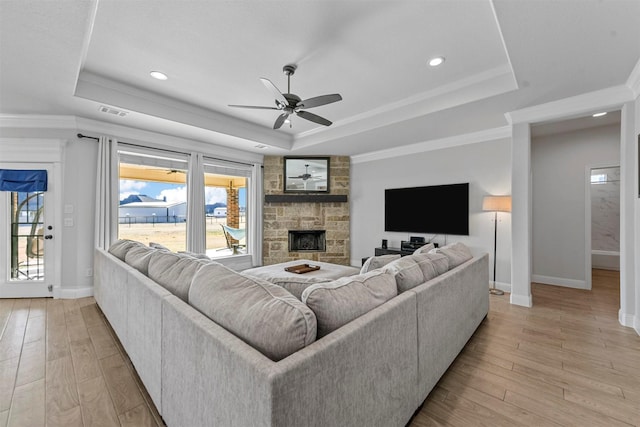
(436, 209)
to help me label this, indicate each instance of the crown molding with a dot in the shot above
(479, 86)
(37, 121)
(605, 99)
(102, 90)
(160, 140)
(633, 82)
(436, 144)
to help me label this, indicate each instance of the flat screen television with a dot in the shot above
(435, 209)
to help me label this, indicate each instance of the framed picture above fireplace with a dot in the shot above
(306, 174)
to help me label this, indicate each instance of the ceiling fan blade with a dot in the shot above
(313, 118)
(274, 91)
(255, 107)
(280, 120)
(319, 100)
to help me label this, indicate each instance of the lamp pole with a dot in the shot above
(493, 289)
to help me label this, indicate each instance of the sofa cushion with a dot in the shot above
(296, 285)
(159, 246)
(440, 262)
(377, 261)
(338, 302)
(194, 255)
(457, 253)
(260, 313)
(427, 266)
(120, 247)
(406, 273)
(138, 257)
(174, 272)
(424, 249)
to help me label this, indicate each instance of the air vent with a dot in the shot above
(261, 146)
(113, 111)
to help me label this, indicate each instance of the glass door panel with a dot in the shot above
(27, 236)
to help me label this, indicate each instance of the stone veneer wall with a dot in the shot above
(279, 218)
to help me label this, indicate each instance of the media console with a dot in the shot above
(393, 251)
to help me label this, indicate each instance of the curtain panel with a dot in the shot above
(196, 226)
(107, 187)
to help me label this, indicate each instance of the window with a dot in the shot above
(153, 200)
(226, 208)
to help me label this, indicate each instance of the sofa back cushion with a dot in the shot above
(174, 272)
(424, 249)
(120, 247)
(338, 302)
(377, 261)
(260, 313)
(440, 262)
(427, 266)
(138, 257)
(406, 273)
(457, 253)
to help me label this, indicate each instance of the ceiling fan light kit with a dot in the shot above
(290, 103)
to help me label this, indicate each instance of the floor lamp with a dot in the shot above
(496, 204)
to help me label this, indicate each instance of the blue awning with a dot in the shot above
(23, 181)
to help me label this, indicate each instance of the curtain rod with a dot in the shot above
(162, 149)
(90, 137)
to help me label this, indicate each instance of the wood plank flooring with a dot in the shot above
(564, 362)
(61, 365)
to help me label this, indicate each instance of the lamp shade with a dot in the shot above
(496, 203)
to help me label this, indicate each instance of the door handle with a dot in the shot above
(48, 237)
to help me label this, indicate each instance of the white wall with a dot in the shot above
(487, 168)
(559, 183)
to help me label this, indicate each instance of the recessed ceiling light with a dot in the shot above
(158, 75)
(434, 62)
(604, 113)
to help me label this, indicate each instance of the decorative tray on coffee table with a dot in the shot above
(302, 268)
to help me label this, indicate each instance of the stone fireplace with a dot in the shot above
(307, 241)
(306, 213)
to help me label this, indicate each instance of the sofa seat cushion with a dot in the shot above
(120, 247)
(406, 272)
(174, 272)
(138, 257)
(260, 313)
(457, 253)
(377, 262)
(338, 302)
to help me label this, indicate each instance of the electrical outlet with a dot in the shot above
(89, 272)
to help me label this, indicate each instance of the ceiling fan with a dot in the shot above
(306, 175)
(290, 103)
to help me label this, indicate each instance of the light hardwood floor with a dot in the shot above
(566, 361)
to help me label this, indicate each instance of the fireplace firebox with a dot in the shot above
(307, 241)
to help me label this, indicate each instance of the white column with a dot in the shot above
(628, 220)
(521, 215)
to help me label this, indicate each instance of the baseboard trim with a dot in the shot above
(505, 287)
(72, 293)
(523, 300)
(636, 324)
(559, 281)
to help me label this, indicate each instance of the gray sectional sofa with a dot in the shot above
(371, 368)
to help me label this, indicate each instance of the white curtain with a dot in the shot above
(196, 227)
(254, 216)
(107, 193)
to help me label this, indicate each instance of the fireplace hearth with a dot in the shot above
(307, 241)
